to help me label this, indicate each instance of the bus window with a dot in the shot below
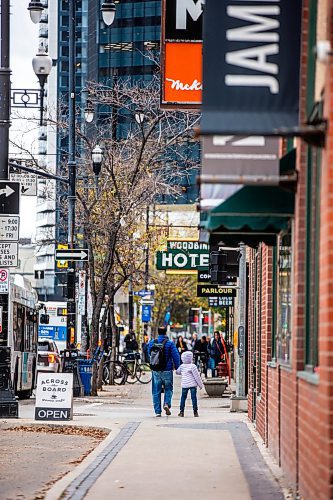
(18, 326)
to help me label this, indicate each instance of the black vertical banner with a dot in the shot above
(251, 68)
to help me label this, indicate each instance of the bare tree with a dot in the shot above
(147, 152)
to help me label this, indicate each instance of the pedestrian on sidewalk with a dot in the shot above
(191, 380)
(164, 357)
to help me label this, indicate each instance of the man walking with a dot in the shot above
(164, 357)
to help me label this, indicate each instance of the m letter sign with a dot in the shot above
(181, 53)
(251, 66)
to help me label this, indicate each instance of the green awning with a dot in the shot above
(253, 208)
(254, 213)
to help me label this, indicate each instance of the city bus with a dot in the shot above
(53, 323)
(18, 330)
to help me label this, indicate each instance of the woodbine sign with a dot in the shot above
(183, 255)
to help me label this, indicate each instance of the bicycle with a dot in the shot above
(136, 371)
(119, 370)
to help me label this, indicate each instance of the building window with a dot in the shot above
(283, 336)
(312, 258)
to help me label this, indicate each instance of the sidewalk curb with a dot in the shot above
(271, 463)
(57, 490)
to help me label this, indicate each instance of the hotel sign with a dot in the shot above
(181, 53)
(251, 66)
(183, 255)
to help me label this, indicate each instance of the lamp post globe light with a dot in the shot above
(42, 65)
(89, 112)
(36, 11)
(139, 116)
(108, 10)
(97, 157)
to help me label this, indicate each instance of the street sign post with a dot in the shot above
(28, 182)
(9, 228)
(73, 254)
(144, 293)
(10, 198)
(4, 280)
(146, 313)
(8, 254)
(39, 274)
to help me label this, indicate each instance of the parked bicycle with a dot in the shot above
(128, 370)
(119, 370)
(136, 371)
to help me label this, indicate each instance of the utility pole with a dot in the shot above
(8, 403)
(4, 88)
(71, 271)
(145, 325)
(130, 306)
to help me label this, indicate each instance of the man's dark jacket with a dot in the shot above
(170, 351)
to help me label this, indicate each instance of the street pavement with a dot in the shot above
(211, 457)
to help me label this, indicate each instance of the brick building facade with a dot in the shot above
(290, 299)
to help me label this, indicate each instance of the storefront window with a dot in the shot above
(283, 337)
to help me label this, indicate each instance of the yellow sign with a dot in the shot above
(62, 264)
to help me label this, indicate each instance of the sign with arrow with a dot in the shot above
(28, 182)
(9, 198)
(39, 274)
(77, 254)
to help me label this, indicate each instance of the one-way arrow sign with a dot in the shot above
(72, 254)
(9, 198)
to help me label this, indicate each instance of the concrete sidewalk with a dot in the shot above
(210, 457)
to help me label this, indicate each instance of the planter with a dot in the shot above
(215, 387)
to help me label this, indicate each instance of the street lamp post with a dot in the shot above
(108, 10)
(4, 88)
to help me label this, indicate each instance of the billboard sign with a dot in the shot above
(183, 19)
(251, 66)
(181, 53)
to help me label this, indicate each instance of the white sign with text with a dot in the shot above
(54, 396)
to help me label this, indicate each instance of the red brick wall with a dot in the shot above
(288, 425)
(325, 411)
(273, 405)
(295, 417)
(265, 332)
(310, 441)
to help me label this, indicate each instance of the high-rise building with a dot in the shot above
(103, 54)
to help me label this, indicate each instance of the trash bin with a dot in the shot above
(85, 370)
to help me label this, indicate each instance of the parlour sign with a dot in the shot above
(251, 66)
(181, 53)
(215, 291)
(54, 397)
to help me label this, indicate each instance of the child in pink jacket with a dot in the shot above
(190, 381)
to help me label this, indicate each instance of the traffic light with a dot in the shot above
(193, 315)
(224, 266)
(205, 317)
(218, 265)
(44, 319)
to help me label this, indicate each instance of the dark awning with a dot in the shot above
(251, 215)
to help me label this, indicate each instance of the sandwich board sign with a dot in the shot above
(54, 396)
